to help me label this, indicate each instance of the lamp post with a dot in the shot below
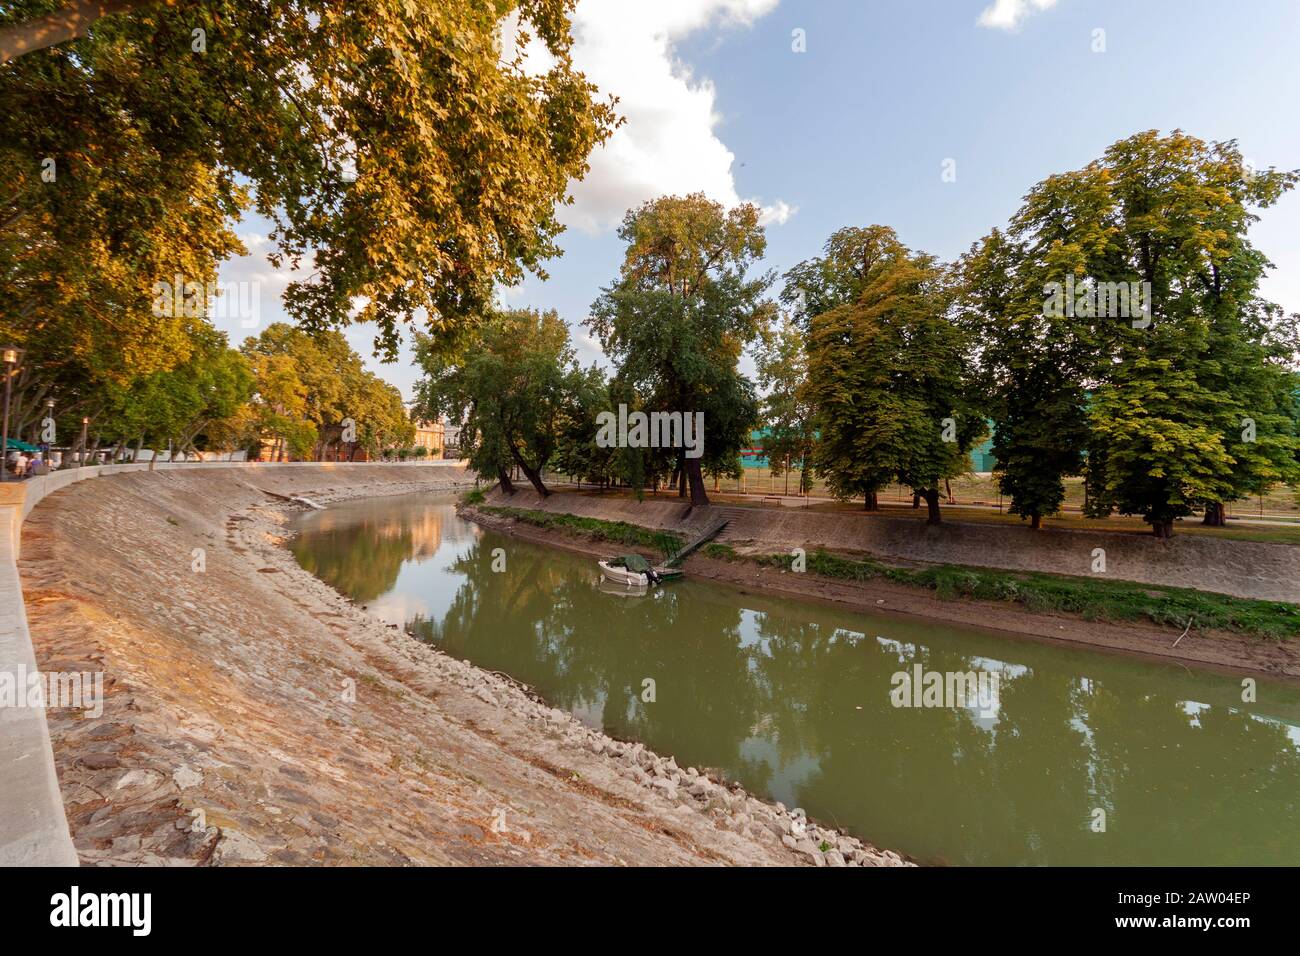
(85, 422)
(11, 359)
(48, 444)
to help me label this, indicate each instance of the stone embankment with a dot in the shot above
(253, 715)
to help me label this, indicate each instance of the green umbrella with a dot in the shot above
(22, 445)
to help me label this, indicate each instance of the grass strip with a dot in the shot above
(617, 532)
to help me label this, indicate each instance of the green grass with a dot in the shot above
(1091, 598)
(618, 532)
(474, 497)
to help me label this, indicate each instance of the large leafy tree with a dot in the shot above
(180, 404)
(309, 385)
(406, 153)
(887, 376)
(679, 316)
(1034, 364)
(1190, 403)
(517, 388)
(1181, 400)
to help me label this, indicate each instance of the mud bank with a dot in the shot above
(1219, 650)
(253, 715)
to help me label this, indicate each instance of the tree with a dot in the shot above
(782, 365)
(681, 312)
(1034, 363)
(310, 385)
(1167, 217)
(407, 154)
(512, 390)
(886, 378)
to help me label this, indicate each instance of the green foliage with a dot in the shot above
(677, 319)
(721, 552)
(885, 370)
(782, 364)
(473, 497)
(515, 389)
(1032, 369)
(1188, 410)
(181, 403)
(308, 385)
(402, 147)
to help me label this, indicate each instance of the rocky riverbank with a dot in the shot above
(253, 715)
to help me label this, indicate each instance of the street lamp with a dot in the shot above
(85, 422)
(11, 359)
(49, 437)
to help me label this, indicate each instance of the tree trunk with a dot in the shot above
(916, 499)
(699, 494)
(139, 447)
(1035, 521)
(932, 503)
(947, 485)
(71, 21)
(535, 479)
(1215, 516)
(871, 501)
(504, 478)
(1162, 529)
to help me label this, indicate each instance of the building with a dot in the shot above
(430, 435)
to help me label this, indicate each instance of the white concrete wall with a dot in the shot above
(33, 827)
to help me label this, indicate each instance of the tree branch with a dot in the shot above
(71, 22)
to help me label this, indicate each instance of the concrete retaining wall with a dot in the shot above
(1240, 568)
(33, 827)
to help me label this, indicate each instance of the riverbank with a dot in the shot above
(254, 715)
(1217, 649)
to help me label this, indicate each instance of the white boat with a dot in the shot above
(617, 575)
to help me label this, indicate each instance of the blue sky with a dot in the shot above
(856, 129)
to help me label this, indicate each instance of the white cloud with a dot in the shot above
(669, 143)
(1008, 14)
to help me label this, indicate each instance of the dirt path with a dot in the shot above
(254, 715)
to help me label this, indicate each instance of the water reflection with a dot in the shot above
(794, 700)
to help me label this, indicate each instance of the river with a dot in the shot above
(1070, 757)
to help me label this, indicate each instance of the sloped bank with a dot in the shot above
(1245, 569)
(1220, 649)
(254, 715)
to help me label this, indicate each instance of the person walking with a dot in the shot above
(20, 466)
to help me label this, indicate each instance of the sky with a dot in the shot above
(831, 113)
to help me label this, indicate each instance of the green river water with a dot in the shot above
(798, 702)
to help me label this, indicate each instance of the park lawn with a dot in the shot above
(1115, 524)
